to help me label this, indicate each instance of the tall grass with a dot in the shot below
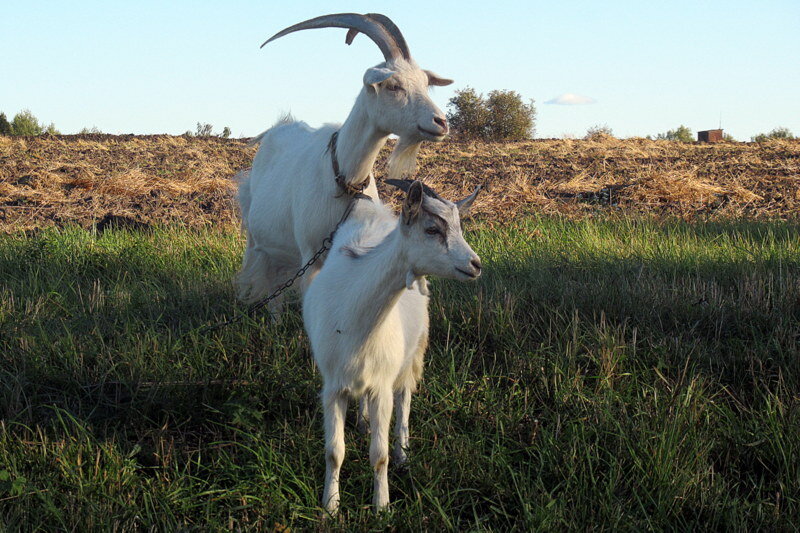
(605, 373)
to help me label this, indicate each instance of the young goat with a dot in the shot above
(293, 198)
(368, 330)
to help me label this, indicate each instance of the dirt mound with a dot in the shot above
(85, 179)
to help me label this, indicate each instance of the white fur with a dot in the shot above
(290, 201)
(369, 332)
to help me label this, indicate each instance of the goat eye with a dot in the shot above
(432, 231)
(395, 88)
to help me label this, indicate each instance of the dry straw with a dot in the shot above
(81, 179)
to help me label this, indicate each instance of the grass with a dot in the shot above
(609, 374)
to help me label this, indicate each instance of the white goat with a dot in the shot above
(291, 200)
(368, 331)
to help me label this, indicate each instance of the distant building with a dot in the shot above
(709, 136)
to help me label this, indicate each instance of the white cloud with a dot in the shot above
(571, 99)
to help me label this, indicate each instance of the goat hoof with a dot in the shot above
(328, 515)
(381, 509)
(400, 461)
(401, 468)
(399, 454)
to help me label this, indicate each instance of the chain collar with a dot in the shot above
(356, 191)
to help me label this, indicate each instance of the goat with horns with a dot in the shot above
(297, 189)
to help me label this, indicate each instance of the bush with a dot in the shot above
(206, 130)
(5, 125)
(598, 131)
(681, 133)
(469, 115)
(510, 119)
(92, 130)
(502, 116)
(25, 123)
(203, 130)
(777, 133)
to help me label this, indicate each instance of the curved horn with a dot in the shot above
(464, 204)
(404, 185)
(390, 26)
(352, 21)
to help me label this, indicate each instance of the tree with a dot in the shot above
(510, 119)
(777, 133)
(226, 132)
(25, 123)
(5, 125)
(501, 116)
(598, 131)
(681, 133)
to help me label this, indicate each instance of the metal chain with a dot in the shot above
(356, 192)
(326, 245)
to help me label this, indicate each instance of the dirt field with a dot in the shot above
(141, 180)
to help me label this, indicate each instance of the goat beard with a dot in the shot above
(403, 161)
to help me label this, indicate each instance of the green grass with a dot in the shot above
(604, 374)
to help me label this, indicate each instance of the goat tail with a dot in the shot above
(285, 118)
(258, 138)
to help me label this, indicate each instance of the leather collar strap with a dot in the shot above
(356, 191)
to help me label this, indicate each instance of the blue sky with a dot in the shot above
(161, 67)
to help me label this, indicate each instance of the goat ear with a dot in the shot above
(412, 203)
(434, 79)
(375, 75)
(464, 204)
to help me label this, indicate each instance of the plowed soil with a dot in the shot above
(95, 180)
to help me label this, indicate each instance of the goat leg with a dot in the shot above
(335, 407)
(380, 415)
(402, 406)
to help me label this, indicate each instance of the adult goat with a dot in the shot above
(297, 189)
(368, 331)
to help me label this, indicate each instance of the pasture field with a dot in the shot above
(606, 372)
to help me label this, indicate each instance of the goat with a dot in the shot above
(368, 331)
(293, 196)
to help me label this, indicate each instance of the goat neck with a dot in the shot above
(380, 279)
(358, 144)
